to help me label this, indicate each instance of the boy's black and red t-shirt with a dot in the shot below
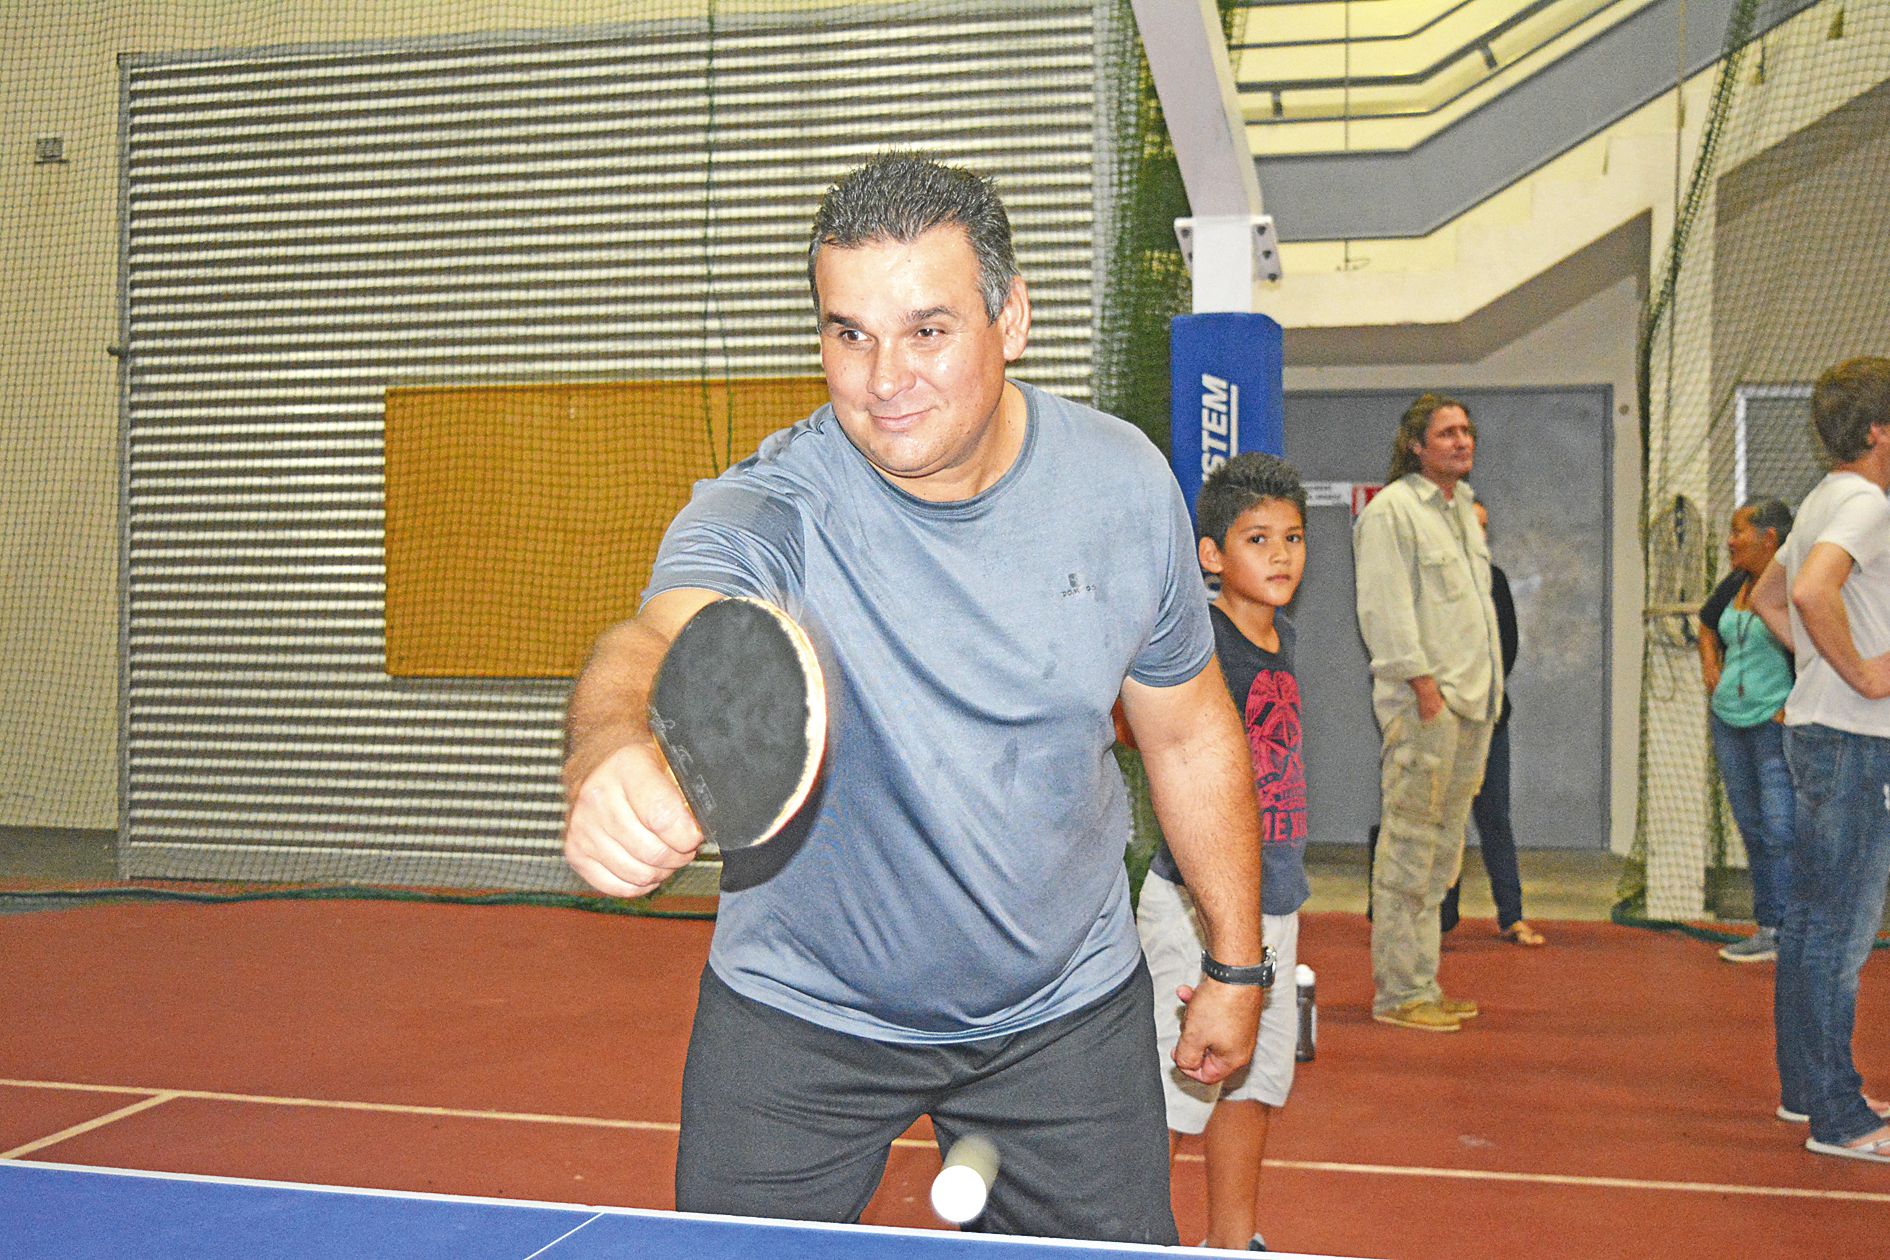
(1267, 694)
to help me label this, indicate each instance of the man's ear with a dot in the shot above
(1014, 320)
(1209, 553)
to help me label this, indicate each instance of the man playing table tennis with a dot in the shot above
(945, 928)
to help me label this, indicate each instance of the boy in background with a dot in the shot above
(1251, 518)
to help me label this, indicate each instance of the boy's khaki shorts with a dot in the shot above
(1172, 942)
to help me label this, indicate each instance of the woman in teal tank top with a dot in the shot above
(1749, 674)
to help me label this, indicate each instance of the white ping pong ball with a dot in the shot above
(958, 1194)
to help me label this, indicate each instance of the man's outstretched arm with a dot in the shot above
(627, 827)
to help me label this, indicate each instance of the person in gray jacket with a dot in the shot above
(1425, 612)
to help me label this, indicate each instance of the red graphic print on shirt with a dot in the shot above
(1273, 734)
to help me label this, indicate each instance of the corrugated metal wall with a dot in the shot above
(305, 228)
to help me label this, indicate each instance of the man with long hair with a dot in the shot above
(1425, 611)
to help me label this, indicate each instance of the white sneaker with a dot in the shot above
(1761, 946)
(1878, 1107)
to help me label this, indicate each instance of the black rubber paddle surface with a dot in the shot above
(740, 711)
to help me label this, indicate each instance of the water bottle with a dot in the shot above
(1308, 1014)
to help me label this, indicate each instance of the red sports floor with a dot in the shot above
(1614, 1099)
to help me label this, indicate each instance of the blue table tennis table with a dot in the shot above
(70, 1212)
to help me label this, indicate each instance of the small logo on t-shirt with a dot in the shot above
(1079, 587)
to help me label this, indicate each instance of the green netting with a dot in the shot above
(1143, 287)
(1773, 270)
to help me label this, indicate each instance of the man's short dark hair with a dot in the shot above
(1765, 513)
(1240, 483)
(1414, 425)
(1847, 400)
(902, 196)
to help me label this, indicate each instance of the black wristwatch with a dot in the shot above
(1260, 974)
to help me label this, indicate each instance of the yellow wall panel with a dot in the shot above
(523, 519)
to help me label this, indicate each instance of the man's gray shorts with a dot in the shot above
(784, 1118)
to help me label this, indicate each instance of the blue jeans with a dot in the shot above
(1496, 841)
(1759, 788)
(1840, 866)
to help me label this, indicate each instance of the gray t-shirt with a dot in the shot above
(959, 873)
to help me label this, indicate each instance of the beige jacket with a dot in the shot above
(1423, 574)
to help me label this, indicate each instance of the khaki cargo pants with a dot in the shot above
(1429, 776)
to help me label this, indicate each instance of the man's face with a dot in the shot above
(914, 369)
(1448, 449)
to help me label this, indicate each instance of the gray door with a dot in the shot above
(1542, 469)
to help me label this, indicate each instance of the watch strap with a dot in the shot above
(1260, 974)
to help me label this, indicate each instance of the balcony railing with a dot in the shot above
(1337, 75)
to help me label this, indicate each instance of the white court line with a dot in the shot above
(561, 1237)
(157, 1099)
(1569, 1179)
(406, 1109)
(670, 1126)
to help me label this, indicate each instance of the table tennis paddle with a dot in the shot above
(739, 710)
